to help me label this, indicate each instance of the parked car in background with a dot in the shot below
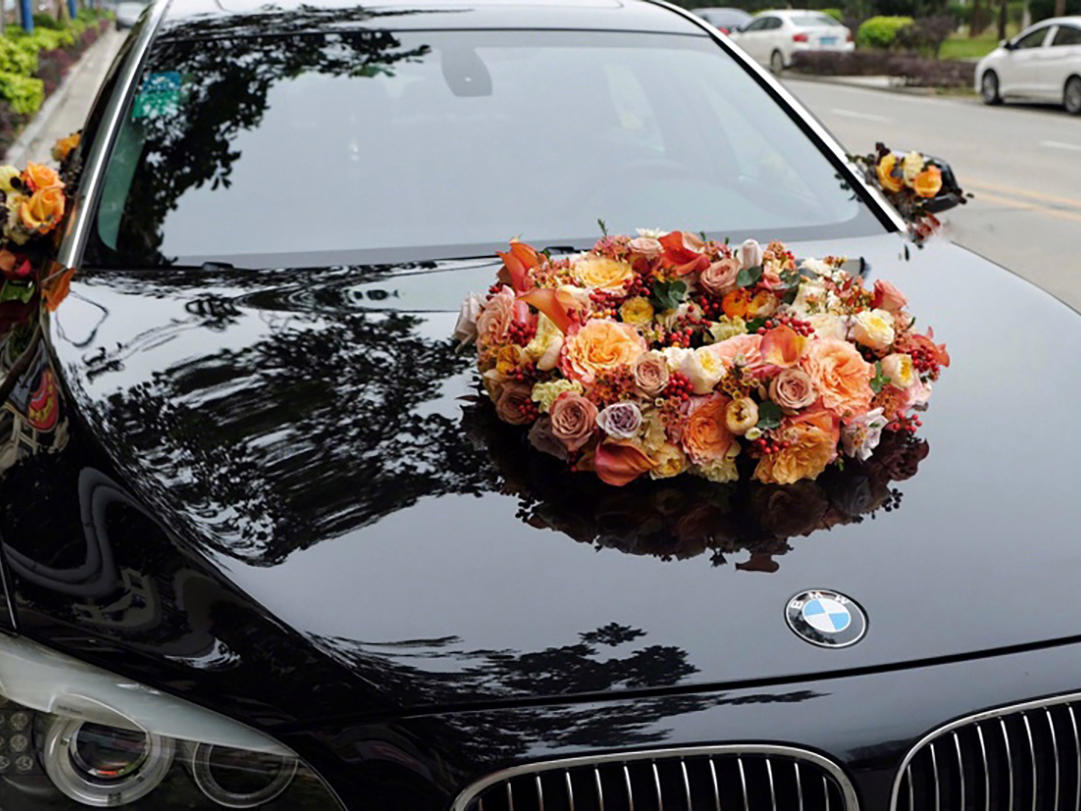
(726, 19)
(771, 38)
(1042, 63)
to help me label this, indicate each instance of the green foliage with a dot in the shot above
(23, 93)
(880, 380)
(1042, 9)
(749, 276)
(44, 20)
(667, 295)
(881, 32)
(769, 415)
(836, 13)
(19, 57)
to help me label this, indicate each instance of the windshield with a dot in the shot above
(313, 150)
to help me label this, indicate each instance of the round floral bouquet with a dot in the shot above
(665, 354)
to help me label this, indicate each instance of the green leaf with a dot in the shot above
(17, 291)
(769, 415)
(749, 277)
(879, 381)
(667, 295)
(603, 225)
(754, 324)
(790, 279)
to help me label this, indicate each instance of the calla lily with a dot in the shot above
(518, 261)
(782, 347)
(556, 304)
(620, 463)
(678, 257)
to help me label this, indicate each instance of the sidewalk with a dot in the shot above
(65, 110)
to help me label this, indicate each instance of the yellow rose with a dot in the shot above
(704, 368)
(873, 328)
(928, 182)
(600, 346)
(602, 273)
(885, 171)
(727, 327)
(544, 394)
(43, 210)
(722, 470)
(899, 369)
(636, 310)
(39, 176)
(668, 461)
(507, 358)
(7, 174)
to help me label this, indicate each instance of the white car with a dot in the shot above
(772, 37)
(1043, 62)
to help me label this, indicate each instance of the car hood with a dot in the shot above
(308, 441)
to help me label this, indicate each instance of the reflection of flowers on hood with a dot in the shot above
(674, 519)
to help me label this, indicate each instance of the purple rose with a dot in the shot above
(621, 420)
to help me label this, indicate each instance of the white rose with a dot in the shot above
(873, 328)
(749, 254)
(826, 325)
(899, 369)
(546, 344)
(465, 331)
(704, 368)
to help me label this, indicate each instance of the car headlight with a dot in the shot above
(72, 731)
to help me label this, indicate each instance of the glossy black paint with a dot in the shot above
(263, 491)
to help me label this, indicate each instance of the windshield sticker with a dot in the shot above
(159, 96)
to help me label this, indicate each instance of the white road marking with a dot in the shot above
(1061, 145)
(862, 116)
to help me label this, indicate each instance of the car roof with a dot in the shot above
(1073, 20)
(195, 19)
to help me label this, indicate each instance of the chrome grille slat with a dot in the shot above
(1031, 762)
(751, 777)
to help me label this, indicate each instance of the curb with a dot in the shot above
(21, 146)
(883, 84)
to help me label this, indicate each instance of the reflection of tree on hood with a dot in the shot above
(226, 79)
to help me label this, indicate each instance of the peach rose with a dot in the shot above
(720, 277)
(496, 317)
(651, 373)
(41, 213)
(745, 349)
(928, 182)
(792, 390)
(810, 445)
(840, 374)
(573, 420)
(600, 346)
(38, 176)
(647, 247)
(706, 436)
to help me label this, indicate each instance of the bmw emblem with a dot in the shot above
(826, 618)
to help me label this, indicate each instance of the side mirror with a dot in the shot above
(1008, 45)
(950, 195)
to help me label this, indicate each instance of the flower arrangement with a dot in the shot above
(34, 201)
(914, 184)
(666, 354)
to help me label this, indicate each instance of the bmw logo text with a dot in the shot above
(826, 618)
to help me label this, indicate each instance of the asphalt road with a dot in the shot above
(1022, 163)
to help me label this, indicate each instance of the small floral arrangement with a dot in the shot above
(912, 183)
(667, 353)
(34, 202)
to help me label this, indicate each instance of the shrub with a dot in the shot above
(43, 20)
(18, 57)
(836, 13)
(912, 69)
(23, 93)
(880, 32)
(925, 35)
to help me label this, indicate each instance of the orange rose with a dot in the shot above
(706, 436)
(840, 375)
(42, 212)
(928, 182)
(39, 176)
(810, 445)
(892, 182)
(63, 147)
(601, 345)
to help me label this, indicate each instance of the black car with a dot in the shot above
(261, 549)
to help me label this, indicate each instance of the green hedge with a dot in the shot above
(836, 13)
(880, 32)
(18, 57)
(24, 93)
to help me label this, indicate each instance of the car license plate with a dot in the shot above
(827, 40)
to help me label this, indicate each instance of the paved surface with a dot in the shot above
(1022, 163)
(65, 111)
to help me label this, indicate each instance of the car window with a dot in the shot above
(758, 25)
(773, 22)
(316, 150)
(1033, 39)
(1067, 35)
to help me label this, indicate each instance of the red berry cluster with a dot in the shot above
(767, 446)
(906, 424)
(605, 300)
(679, 386)
(640, 285)
(923, 358)
(529, 410)
(524, 374)
(521, 334)
(711, 307)
(799, 326)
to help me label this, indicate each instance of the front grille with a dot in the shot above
(707, 778)
(1025, 756)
